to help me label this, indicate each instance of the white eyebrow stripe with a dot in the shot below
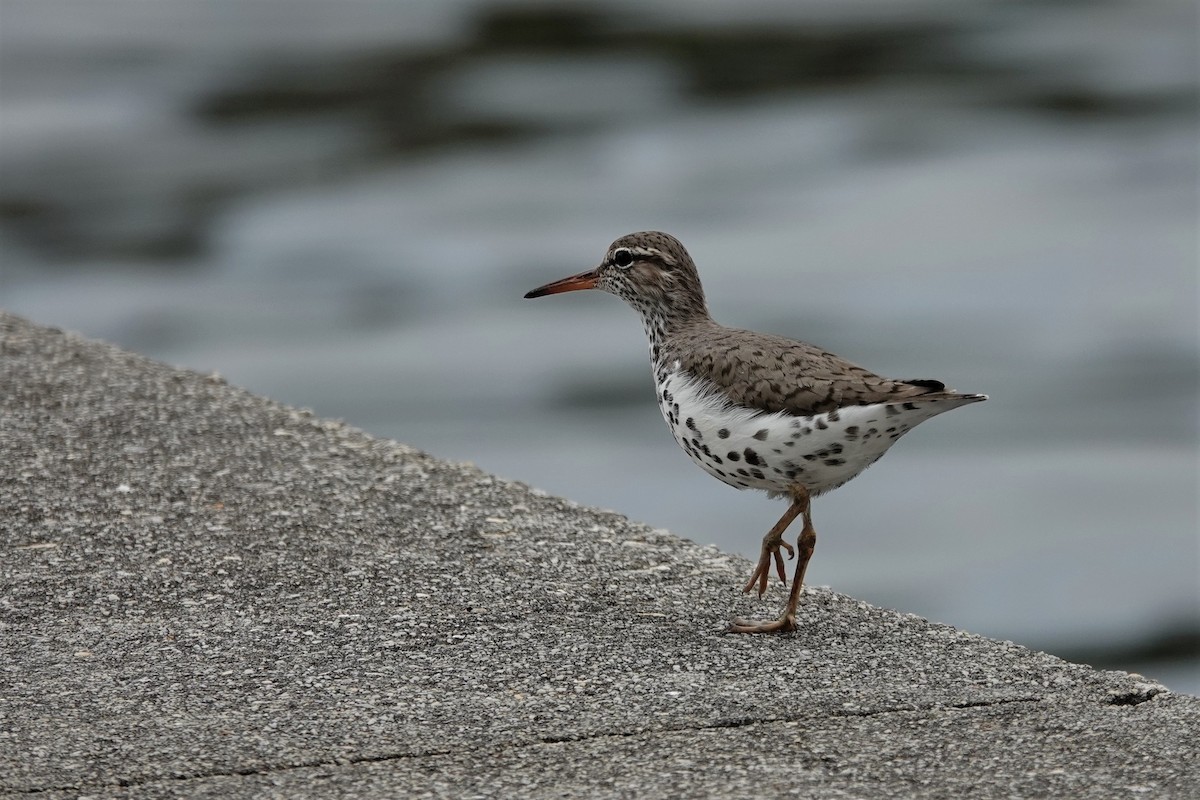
(647, 252)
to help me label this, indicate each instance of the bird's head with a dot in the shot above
(650, 270)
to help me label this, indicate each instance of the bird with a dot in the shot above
(756, 410)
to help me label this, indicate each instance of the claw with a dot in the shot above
(762, 571)
(761, 574)
(779, 562)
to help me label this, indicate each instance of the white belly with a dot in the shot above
(775, 452)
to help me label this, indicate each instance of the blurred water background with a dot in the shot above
(340, 204)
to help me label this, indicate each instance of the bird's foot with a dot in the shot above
(762, 572)
(784, 624)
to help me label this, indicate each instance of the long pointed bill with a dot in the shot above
(584, 280)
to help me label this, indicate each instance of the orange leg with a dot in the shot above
(770, 551)
(801, 504)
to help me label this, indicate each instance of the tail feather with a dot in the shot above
(960, 398)
(939, 390)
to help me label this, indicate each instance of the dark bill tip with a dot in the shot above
(584, 280)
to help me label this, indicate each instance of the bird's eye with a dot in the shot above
(622, 258)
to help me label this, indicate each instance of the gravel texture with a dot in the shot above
(205, 593)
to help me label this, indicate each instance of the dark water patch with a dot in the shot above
(20, 210)
(396, 93)
(1175, 640)
(526, 27)
(273, 91)
(68, 229)
(1080, 104)
(742, 63)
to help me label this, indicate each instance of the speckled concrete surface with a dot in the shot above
(204, 593)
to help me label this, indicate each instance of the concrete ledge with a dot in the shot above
(205, 593)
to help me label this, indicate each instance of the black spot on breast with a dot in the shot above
(718, 459)
(761, 434)
(821, 425)
(834, 462)
(834, 416)
(852, 432)
(837, 449)
(752, 457)
(691, 423)
(910, 406)
(810, 457)
(789, 444)
(776, 451)
(733, 456)
(723, 433)
(758, 473)
(891, 410)
(743, 473)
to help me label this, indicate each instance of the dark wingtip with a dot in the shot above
(925, 383)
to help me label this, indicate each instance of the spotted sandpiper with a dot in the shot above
(754, 410)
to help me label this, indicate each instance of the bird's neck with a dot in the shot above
(661, 328)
